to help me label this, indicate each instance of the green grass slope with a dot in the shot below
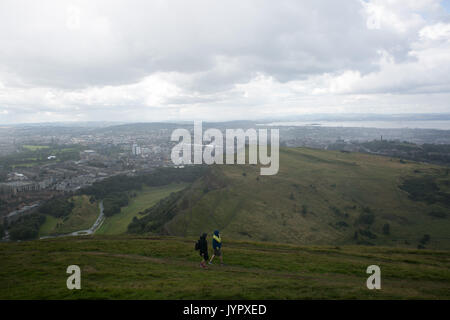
(144, 199)
(317, 197)
(133, 267)
(82, 217)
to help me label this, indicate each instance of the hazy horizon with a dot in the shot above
(331, 117)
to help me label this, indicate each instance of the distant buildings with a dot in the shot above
(15, 176)
(19, 186)
(75, 183)
(136, 150)
(88, 155)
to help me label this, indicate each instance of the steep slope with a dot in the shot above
(144, 199)
(318, 197)
(82, 216)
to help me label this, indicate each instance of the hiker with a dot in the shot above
(217, 246)
(202, 246)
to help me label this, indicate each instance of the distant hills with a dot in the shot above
(318, 197)
(300, 117)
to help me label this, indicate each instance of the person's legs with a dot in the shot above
(217, 253)
(205, 258)
(202, 263)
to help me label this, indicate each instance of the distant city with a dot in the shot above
(39, 161)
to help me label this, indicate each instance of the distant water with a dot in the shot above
(411, 124)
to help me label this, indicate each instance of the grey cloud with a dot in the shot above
(121, 42)
(109, 57)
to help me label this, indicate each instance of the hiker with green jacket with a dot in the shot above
(217, 247)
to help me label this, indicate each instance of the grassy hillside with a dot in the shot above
(144, 199)
(82, 217)
(124, 267)
(317, 197)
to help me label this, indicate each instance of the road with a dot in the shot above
(91, 230)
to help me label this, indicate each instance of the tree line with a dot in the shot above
(115, 191)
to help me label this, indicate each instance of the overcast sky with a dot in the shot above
(221, 60)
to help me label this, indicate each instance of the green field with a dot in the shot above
(50, 225)
(82, 217)
(33, 155)
(318, 197)
(145, 198)
(126, 267)
(34, 147)
(24, 165)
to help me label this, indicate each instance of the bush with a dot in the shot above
(113, 203)
(366, 217)
(386, 229)
(425, 239)
(57, 208)
(423, 189)
(304, 209)
(342, 224)
(367, 234)
(27, 227)
(336, 211)
(438, 214)
(23, 233)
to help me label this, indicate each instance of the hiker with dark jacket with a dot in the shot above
(217, 246)
(203, 248)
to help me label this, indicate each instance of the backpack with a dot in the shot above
(197, 245)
